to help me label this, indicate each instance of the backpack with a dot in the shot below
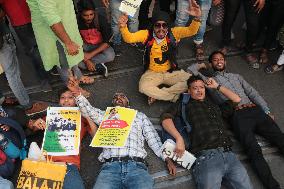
(17, 145)
(171, 53)
(181, 123)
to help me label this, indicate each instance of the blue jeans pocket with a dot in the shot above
(141, 166)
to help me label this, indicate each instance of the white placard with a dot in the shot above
(185, 161)
(129, 6)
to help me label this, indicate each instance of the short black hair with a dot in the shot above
(213, 53)
(192, 79)
(61, 91)
(84, 5)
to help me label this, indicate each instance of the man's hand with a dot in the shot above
(194, 9)
(5, 127)
(211, 83)
(87, 56)
(259, 4)
(73, 86)
(171, 167)
(180, 147)
(105, 3)
(72, 48)
(122, 21)
(272, 116)
(90, 65)
(39, 124)
(216, 2)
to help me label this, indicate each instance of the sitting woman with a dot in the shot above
(72, 179)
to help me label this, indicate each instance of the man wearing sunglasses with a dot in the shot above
(160, 57)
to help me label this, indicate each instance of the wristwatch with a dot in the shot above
(218, 87)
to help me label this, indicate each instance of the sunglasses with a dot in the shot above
(159, 25)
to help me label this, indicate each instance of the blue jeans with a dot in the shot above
(10, 64)
(211, 166)
(73, 179)
(115, 14)
(106, 56)
(26, 36)
(4, 183)
(182, 17)
(124, 175)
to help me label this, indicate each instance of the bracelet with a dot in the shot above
(218, 87)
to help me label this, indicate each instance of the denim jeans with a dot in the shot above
(64, 67)
(182, 17)
(106, 56)
(124, 175)
(10, 64)
(211, 166)
(26, 36)
(4, 183)
(73, 179)
(115, 14)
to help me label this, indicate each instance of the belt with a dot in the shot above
(126, 159)
(250, 105)
(222, 149)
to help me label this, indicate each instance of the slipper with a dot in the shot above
(199, 52)
(151, 101)
(86, 80)
(273, 68)
(252, 61)
(263, 57)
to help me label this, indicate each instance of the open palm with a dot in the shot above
(194, 9)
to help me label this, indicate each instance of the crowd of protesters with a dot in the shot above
(79, 38)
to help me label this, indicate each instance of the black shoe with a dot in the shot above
(117, 50)
(102, 69)
(54, 71)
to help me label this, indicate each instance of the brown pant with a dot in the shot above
(150, 81)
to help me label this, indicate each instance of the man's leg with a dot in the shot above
(26, 36)
(236, 174)
(182, 16)
(138, 176)
(107, 55)
(110, 176)
(244, 129)
(115, 14)
(73, 178)
(149, 83)
(231, 10)
(10, 64)
(208, 170)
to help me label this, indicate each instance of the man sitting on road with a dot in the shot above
(124, 167)
(96, 36)
(251, 116)
(210, 141)
(160, 54)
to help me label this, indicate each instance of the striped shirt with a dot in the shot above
(237, 84)
(141, 129)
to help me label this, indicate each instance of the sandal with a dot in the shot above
(151, 100)
(86, 80)
(10, 101)
(252, 61)
(263, 57)
(273, 68)
(199, 52)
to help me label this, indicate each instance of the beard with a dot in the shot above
(219, 69)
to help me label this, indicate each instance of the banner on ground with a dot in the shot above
(62, 133)
(115, 128)
(130, 6)
(185, 161)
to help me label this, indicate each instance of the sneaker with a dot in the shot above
(102, 69)
(54, 71)
(45, 86)
(37, 107)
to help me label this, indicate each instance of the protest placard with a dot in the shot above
(129, 6)
(185, 161)
(62, 133)
(115, 127)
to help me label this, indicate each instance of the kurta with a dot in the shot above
(46, 13)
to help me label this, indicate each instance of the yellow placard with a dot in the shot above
(115, 128)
